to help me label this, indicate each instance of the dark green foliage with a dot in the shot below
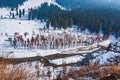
(17, 12)
(71, 3)
(93, 19)
(20, 13)
(11, 3)
(57, 17)
(88, 4)
(23, 12)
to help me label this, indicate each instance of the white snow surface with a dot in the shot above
(32, 53)
(105, 43)
(11, 26)
(67, 60)
(103, 57)
(4, 12)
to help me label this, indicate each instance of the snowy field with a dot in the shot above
(11, 26)
(67, 60)
(21, 26)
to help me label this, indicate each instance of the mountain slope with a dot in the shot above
(34, 3)
(88, 3)
(26, 5)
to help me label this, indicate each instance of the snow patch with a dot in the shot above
(103, 57)
(67, 60)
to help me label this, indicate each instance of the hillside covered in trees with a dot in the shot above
(85, 4)
(106, 20)
(11, 3)
(74, 3)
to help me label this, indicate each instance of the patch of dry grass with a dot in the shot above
(14, 72)
(94, 71)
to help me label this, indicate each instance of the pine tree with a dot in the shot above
(48, 24)
(23, 12)
(20, 13)
(29, 15)
(10, 14)
(17, 12)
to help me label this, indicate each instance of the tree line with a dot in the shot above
(71, 4)
(11, 3)
(106, 20)
(18, 12)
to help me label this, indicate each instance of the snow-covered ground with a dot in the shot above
(4, 12)
(10, 26)
(103, 57)
(67, 60)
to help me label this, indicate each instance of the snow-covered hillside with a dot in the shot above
(27, 5)
(36, 3)
(4, 12)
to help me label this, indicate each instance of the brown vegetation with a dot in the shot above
(14, 72)
(95, 71)
(28, 71)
